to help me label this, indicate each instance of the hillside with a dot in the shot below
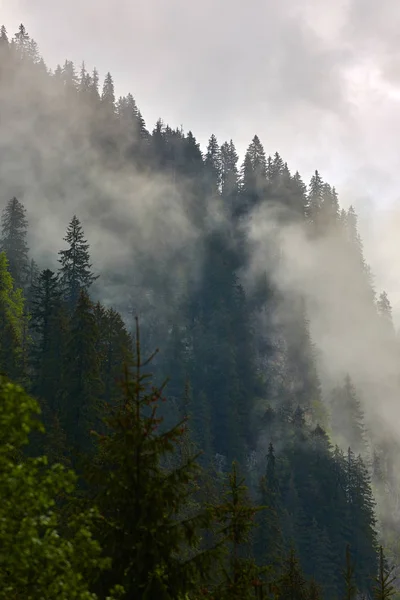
(282, 357)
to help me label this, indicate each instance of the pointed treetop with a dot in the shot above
(75, 271)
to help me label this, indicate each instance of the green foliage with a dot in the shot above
(75, 270)
(235, 516)
(41, 556)
(142, 501)
(13, 241)
(12, 323)
(292, 584)
(81, 408)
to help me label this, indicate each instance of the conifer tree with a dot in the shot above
(314, 201)
(81, 410)
(108, 95)
(329, 208)
(292, 584)
(142, 501)
(212, 165)
(94, 87)
(269, 544)
(241, 576)
(348, 417)
(75, 271)
(49, 339)
(384, 588)
(254, 174)
(229, 175)
(114, 350)
(13, 241)
(12, 326)
(385, 312)
(21, 39)
(348, 577)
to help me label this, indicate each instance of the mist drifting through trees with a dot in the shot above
(268, 465)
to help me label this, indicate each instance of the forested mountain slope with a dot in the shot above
(253, 285)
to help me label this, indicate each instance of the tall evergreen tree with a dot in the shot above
(154, 549)
(236, 516)
(49, 341)
(254, 174)
(229, 175)
(348, 417)
(212, 165)
(315, 201)
(292, 585)
(384, 588)
(75, 271)
(108, 95)
(81, 410)
(269, 545)
(11, 324)
(13, 241)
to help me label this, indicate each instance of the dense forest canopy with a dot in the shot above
(268, 463)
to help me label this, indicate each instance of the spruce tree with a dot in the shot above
(142, 501)
(348, 417)
(269, 546)
(212, 165)
(315, 201)
(229, 176)
(12, 326)
(235, 515)
(292, 584)
(254, 175)
(114, 350)
(108, 95)
(49, 339)
(13, 241)
(348, 577)
(81, 409)
(75, 271)
(384, 588)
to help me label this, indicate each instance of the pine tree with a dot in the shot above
(94, 86)
(114, 351)
(363, 522)
(12, 325)
(213, 166)
(13, 241)
(348, 417)
(108, 95)
(348, 577)
(21, 39)
(49, 341)
(254, 174)
(292, 585)
(315, 201)
(70, 80)
(329, 214)
(81, 410)
(241, 576)
(269, 545)
(142, 501)
(75, 271)
(229, 171)
(385, 312)
(384, 588)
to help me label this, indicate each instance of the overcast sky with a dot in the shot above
(317, 80)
